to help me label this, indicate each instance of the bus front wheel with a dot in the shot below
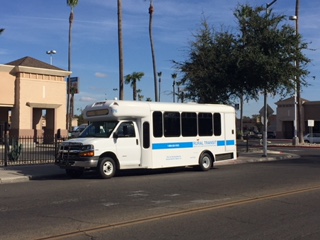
(107, 168)
(205, 162)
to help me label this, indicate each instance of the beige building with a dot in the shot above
(285, 117)
(283, 121)
(30, 89)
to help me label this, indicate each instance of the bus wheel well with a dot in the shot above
(110, 155)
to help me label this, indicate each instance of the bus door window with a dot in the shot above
(126, 129)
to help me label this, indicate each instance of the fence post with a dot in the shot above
(56, 137)
(6, 144)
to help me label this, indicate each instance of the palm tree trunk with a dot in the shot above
(120, 45)
(69, 100)
(156, 92)
(134, 87)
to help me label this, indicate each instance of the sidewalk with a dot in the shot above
(12, 174)
(257, 156)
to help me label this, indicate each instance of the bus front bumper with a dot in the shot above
(77, 163)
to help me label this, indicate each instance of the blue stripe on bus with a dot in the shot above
(177, 145)
(226, 143)
(221, 143)
(172, 145)
(230, 142)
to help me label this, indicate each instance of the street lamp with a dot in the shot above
(159, 75)
(174, 76)
(51, 52)
(295, 139)
(115, 90)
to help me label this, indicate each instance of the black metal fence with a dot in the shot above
(27, 150)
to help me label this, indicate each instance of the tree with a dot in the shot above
(206, 74)
(156, 91)
(267, 52)
(222, 66)
(120, 46)
(132, 80)
(140, 96)
(80, 117)
(272, 49)
(70, 106)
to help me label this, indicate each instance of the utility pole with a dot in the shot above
(300, 124)
(265, 118)
(121, 59)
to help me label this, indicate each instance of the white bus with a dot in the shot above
(150, 135)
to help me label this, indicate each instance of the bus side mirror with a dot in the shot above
(115, 135)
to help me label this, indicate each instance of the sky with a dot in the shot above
(34, 27)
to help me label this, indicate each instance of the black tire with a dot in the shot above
(205, 162)
(74, 173)
(107, 168)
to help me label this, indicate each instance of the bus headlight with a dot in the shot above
(87, 147)
(87, 151)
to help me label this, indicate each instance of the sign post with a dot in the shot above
(311, 125)
(265, 113)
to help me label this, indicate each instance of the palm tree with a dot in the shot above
(72, 4)
(120, 46)
(156, 92)
(140, 96)
(132, 80)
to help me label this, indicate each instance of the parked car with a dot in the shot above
(76, 132)
(252, 134)
(257, 135)
(271, 134)
(312, 138)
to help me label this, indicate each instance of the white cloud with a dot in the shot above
(100, 75)
(87, 99)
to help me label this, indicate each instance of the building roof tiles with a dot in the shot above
(32, 62)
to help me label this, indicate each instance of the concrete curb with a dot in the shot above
(13, 174)
(14, 179)
(251, 159)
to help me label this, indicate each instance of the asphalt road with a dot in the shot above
(271, 200)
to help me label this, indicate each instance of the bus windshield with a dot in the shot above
(101, 129)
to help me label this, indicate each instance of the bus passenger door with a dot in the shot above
(128, 144)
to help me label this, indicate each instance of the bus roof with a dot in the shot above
(136, 109)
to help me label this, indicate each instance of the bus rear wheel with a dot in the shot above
(205, 162)
(107, 168)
